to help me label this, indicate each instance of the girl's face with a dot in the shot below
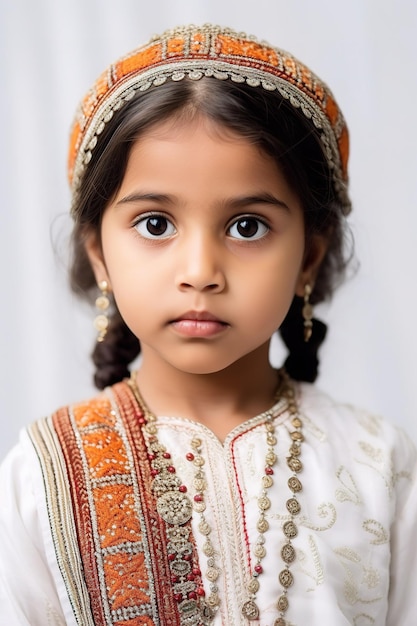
(203, 247)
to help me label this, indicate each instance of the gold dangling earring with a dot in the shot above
(307, 313)
(101, 321)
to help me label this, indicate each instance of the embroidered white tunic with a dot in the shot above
(356, 550)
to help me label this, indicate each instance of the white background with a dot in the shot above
(51, 51)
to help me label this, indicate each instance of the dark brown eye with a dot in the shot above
(155, 227)
(248, 228)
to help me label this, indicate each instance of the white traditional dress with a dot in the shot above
(82, 542)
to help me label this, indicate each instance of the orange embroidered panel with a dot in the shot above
(121, 538)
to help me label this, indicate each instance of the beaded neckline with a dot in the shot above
(196, 604)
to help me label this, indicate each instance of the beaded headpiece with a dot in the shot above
(195, 52)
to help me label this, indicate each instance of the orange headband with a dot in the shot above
(195, 52)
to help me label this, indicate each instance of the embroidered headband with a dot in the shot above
(221, 53)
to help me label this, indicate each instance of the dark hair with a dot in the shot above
(264, 118)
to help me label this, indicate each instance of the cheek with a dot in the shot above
(269, 292)
(280, 269)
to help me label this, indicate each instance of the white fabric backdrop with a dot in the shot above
(51, 52)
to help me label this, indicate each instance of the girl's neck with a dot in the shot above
(221, 400)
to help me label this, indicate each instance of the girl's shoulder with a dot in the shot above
(354, 430)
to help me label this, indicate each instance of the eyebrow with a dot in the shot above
(261, 198)
(141, 197)
(237, 203)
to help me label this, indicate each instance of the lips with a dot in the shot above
(199, 316)
(198, 324)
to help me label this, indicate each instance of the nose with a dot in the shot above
(200, 265)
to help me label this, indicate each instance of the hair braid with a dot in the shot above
(113, 355)
(302, 362)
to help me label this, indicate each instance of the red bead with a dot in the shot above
(201, 592)
(192, 595)
(269, 471)
(142, 421)
(178, 597)
(171, 557)
(182, 488)
(167, 455)
(196, 571)
(151, 457)
(171, 469)
(189, 456)
(258, 569)
(174, 579)
(154, 472)
(187, 557)
(190, 576)
(198, 497)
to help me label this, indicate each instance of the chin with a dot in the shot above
(202, 366)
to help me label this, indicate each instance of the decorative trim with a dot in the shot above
(210, 51)
(62, 523)
(111, 544)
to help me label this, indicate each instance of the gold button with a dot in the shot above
(294, 464)
(288, 553)
(250, 610)
(290, 530)
(294, 484)
(267, 481)
(296, 422)
(212, 574)
(262, 525)
(293, 506)
(295, 449)
(286, 578)
(282, 603)
(253, 585)
(259, 551)
(264, 503)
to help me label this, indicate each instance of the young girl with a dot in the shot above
(209, 182)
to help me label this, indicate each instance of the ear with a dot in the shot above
(313, 258)
(92, 245)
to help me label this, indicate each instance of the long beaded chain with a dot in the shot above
(199, 505)
(175, 508)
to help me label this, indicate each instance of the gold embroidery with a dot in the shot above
(316, 573)
(348, 491)
(363, 619)
(376, 454)
(315, 430)
(54, 619)
(371, 423)
(316, 560)
(371, 577)
(326, 511)
(352, 576)
(377, 529)
(348, 553)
